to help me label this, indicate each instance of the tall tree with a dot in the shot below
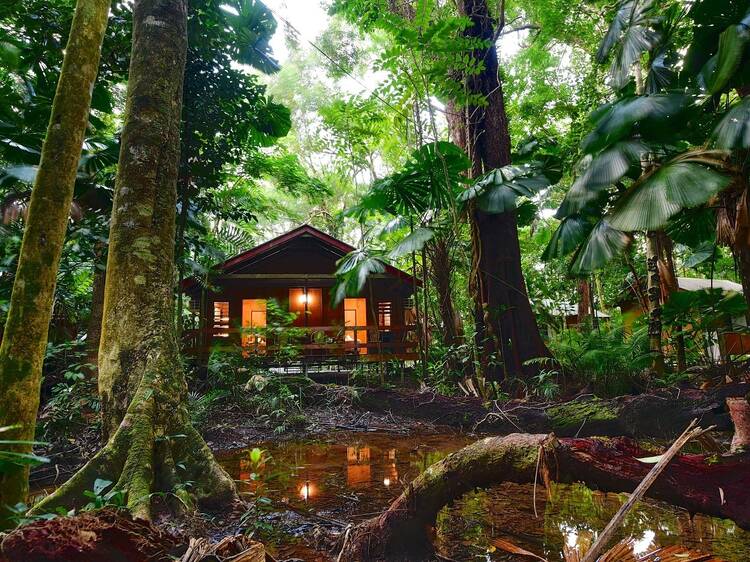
(25, 334)
(505, 323)
(151, 444)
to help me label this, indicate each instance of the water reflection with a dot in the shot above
(351, 477)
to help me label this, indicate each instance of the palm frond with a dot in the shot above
(600, 246)
(652, 201)
(733, 131)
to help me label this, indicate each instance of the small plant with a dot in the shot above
(99, 499)
(72, 401)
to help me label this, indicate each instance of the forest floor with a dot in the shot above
(232, 424)
(401, 420)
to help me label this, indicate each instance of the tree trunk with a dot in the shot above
(151, 447)
(654, 303)
(439, 255)
(671, 285)
(27, 325)
(94, 332)
(506, 326)
(584, 303)
(691, 481)
(440, 272)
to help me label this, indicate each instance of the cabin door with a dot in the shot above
(355, 315)
(253, 318)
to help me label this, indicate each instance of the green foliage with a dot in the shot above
(608, 359)
(100, 499)
(10, 459)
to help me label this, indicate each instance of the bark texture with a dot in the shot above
(506, 326)
(151, 447)
(26, 329)
(654, 302)
(690, 481)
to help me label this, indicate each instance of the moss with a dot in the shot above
(25, 333)
(577, 412)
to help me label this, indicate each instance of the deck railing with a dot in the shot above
(382, 343)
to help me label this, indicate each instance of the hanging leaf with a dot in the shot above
(614, 122)
(733, 131)
(569, 234)
(732, 47)
(600, 246)
(600, 172)
(352, 273)
(414, 242)
(649, 203)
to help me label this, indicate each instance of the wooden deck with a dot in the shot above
(311, 344)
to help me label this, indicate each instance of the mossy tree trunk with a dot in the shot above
(152, 446)
(94, 331)
(27, 325)
(402, 532)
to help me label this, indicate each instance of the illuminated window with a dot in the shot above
(384, 314)
(221, 319)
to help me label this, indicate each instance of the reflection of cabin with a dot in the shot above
(721, 344)
(297, 271)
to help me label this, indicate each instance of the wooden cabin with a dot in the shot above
(238, 308)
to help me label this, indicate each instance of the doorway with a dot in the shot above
(253, 318)
(355, 316)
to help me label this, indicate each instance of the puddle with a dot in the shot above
(350, 477)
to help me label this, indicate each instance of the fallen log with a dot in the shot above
(660, 415)
(711, 485)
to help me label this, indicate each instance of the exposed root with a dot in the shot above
(155, 451)
(402, 532)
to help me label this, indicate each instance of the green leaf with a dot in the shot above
(9, 55)
(648, 204)
(100, 485)
(600, 172)
(255, 455)
(601, 245)
(569, 234)
(414, 242)
(732, 46)
(733, 131)
(615, 122)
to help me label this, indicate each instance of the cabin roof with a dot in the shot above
(335, 245)
(696, 284)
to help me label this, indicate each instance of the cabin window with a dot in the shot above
(221, 319)
(253, 320)
(384, 314)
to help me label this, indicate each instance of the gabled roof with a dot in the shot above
(339, 247)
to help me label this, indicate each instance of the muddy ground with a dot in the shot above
(329, 410)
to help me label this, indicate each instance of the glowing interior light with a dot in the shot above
(306, 491)
(386, 482)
